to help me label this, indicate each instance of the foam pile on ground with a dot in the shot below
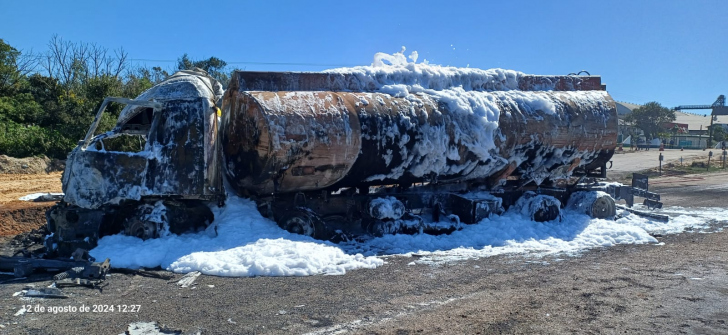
(513, 233)
(240, 243)
(682, 219)
(247, 244)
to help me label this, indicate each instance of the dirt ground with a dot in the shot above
(20, 216)
(30, 165)
(677, 286)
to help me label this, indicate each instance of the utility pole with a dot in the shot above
(710, 131)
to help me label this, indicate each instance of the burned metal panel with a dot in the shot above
(298, 81)
(354, 82)
(75, 227)
(560, 83)
(213, 153)
(181, 85)
(94, 178)
(172, 164)
(177, 142)
(471, 210)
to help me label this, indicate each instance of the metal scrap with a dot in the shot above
(89, 275)
(189, 279)
(655, 216)
(48, 292)
(80, 270)
(143, 273)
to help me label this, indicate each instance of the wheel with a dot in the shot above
(546, 212)
(303, 221)
(598, 205)
(339, 228)
(379, 228)
(141, 229)
(539, 207)
(603, 207)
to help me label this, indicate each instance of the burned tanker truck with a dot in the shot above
(351, 152)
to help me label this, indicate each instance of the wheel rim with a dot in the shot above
(603, 207)
(141, 229)
(300, 224)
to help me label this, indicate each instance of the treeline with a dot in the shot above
(48, 100)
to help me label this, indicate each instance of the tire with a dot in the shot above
(304, 221)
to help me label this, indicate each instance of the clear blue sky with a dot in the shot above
(673, 52)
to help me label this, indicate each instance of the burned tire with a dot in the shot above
(603, 207)
(379, 228)
(139, 228)
(154, 219)
(303, 221)
(539, 207)
(598, 205)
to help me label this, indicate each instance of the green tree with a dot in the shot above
(48, 101)
(719, 133)
(8, 70)
(152, 76)
(215, 67)
(651, 118)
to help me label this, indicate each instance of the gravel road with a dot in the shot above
(626, 162)
(677, 286)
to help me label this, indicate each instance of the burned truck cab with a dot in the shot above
(166, 179)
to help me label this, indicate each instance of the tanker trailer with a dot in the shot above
(346, 153)
(396, 152)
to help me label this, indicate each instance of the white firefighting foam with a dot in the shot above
(242, 243)
(474, 99)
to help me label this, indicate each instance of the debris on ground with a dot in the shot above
(188, 279)
(148, 328)
(79, 270)
(143, 273)
(90, 275)
(42, 197)
(30, 242)
(47, 292)
(21, 311)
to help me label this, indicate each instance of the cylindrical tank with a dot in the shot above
(280, 142)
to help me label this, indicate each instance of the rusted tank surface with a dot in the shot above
(358, 82)
(290, 141)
